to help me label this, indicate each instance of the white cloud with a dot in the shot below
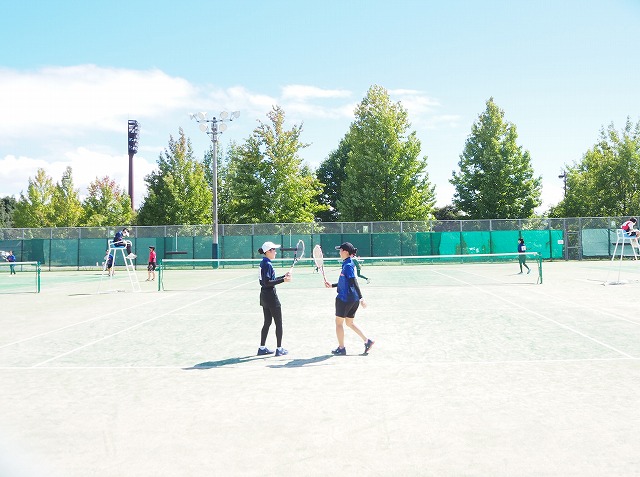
(76, 116)
(448, 120)
(415, 101)
(238, 98)
(304, 111)
(15, 173)
(298, 92)
(86, 165)
(552, 194)
(71, 100)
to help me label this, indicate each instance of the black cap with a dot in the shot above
(347, 247)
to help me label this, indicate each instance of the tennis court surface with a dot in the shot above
(476, 371)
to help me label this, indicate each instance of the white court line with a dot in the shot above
(562, 325)
(155, 300)
(81, 322)
(565, 300)
(575, 304)
(138, 325)
(588, 307)
(337, 361)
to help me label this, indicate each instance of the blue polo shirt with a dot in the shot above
(268, 277)
(346, 290)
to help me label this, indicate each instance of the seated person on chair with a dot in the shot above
(630, 231)
(119, 242)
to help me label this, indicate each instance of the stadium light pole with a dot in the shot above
(563, 176)
(134, 131)
(213, 127)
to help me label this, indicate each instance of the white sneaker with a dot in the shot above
(131, 256)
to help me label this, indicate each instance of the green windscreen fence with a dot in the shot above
(548, 243)
(87, 250)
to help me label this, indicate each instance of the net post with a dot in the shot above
(160, 268)
(539, 267)
(37, 277)
(214, 254)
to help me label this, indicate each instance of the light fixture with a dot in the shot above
(213, 127)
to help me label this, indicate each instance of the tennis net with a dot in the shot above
(425, 270)
(19, 277)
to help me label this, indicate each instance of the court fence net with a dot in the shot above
(19, 277)
(555, 239)
(425, 270)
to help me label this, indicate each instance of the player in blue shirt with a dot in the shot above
(522, 258)
(269, 300)
(348, 300)
(108, 263)
(11, 258)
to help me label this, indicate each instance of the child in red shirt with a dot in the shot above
(151, 268)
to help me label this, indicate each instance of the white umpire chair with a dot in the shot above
(622, 239)
(128, 263)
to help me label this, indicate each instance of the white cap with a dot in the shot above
(268, 246)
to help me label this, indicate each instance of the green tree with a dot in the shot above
(385, 177)
(448, 212)
(496, 178)
(35, 209)
(606, 182)
(7, 207)
(65, 202)
(178, 192)
(106, 204)
(331, 174)
(265, 179)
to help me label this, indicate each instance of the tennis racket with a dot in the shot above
(298, 254)
(318, 257)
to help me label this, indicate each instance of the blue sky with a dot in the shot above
(72, 74)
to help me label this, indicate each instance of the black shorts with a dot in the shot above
(152, 266)
(346, 309)
(269, 298)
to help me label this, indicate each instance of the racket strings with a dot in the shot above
(318, 257)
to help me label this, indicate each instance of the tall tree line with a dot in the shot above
(606, 181)
(46, 204)
(376, 173)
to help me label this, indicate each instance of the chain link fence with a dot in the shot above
(556, 239)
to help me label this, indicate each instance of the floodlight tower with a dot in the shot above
(134, 129)
(213, 127)
(563, 176)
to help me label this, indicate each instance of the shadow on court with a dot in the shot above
(298, 363)
(225, 362)
(295, 363)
